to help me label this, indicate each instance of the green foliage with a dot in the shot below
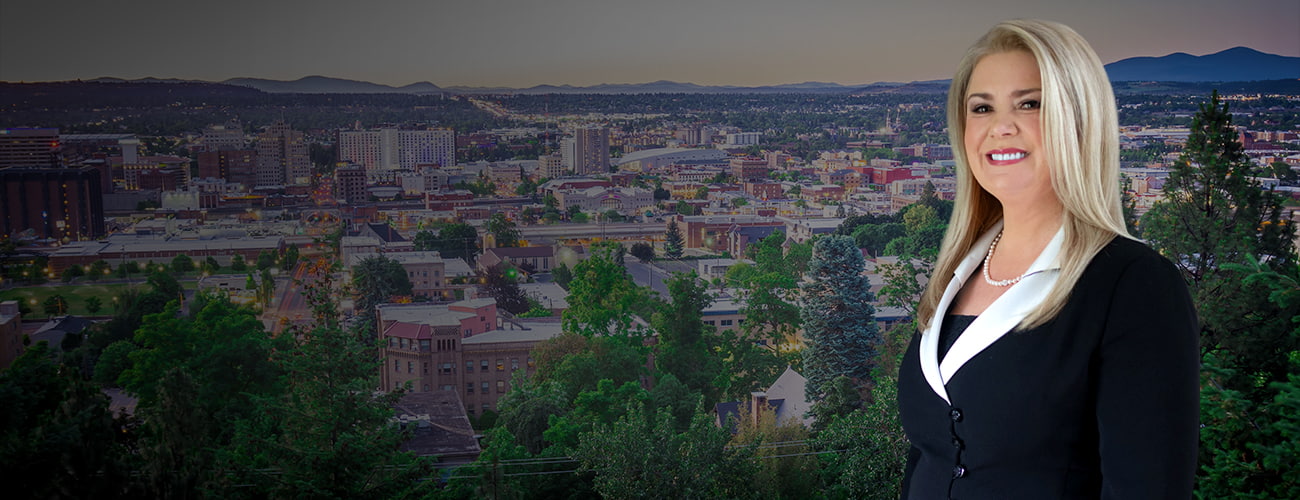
(71, 273)
(94, 304)
(768, 290)
(98, 269)
(211, 266)
(457, 241)
(57, 437)
(674, 244)
(603, 300)
(329, 434)
(683, 350)
(289, 258)
(376, 279)
(503, 230)
(838, 318)
(576, 363)
(237, 264)
(866, 449)
(642, 455)
(501, 285)
(55, 305)
(182, 264)
(562, 274)
(875, 237)
(265, 260)
(788, 466)
(643, 251)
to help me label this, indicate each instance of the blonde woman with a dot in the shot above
(1057, 356)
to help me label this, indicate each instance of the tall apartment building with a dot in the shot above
(749, 169)
(350, 184)
(282, 156)
(30, 147)
(225, 137)
(389, 149)
(232, 165)
(591, 150)
(64, 204)
(551, 166)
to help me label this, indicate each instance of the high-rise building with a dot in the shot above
(389, 149)
(282, 156)
(551, 166)
(64, 204)
(30, 147)
(226, 137)
(350, 184)
(232, 165)
(591, 145)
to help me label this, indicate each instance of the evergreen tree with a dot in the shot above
(499, 283)
(673, 241)
(376, 279)
(683, 351)
(503, 230)
(1229, 238)
(838, 319)
(330, 435)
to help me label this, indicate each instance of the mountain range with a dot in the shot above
(1239, 64)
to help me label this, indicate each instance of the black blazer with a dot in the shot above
(1100, 402)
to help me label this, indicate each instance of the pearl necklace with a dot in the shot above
(989, 256)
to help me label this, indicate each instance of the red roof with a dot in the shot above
(409, 330)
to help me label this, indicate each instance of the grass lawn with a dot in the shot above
(76, 295)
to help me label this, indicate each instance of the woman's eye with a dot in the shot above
(1029, 105)
(981, 108)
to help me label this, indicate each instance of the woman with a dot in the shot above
(1057, 356)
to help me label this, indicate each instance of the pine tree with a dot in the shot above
(673, 242)
(838, 319)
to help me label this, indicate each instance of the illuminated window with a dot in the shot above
(501, 386)
(501, 365)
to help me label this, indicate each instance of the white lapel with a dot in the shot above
(997, 320)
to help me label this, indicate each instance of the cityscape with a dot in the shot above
(335, 288)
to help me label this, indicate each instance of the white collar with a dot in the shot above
(997, 320)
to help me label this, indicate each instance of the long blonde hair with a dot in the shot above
(1081, 144)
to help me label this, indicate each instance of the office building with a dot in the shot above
(389, 149)
(591, 150)
(30, 147)
(282, 157)
(65, 204)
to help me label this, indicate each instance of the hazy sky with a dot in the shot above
(522, 43)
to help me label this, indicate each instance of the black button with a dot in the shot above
(956, 443)
(959, 471)
(955, 414)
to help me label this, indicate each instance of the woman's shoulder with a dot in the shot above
(1126, 256)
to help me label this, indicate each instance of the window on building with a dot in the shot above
(501, 386)
(392, 342)
(424, 345)
(397, 365)
(426, 387)
(485, 387)
(487, 407)
(446, 368)
(469, 367)
(531, 363)
(727, 322)
(469, 388)
(501, 365)
(740, 321)
(403, 343)
(514, 364)
(484, 365)
(448, 388)
(426, 368)
(410, 367)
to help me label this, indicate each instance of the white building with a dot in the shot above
(391, 149)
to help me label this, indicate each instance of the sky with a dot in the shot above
(522, 43)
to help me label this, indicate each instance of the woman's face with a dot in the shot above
(1004, 142)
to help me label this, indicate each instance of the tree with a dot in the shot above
(376, 279)
(1228, 237)
(211, 266)
(237, 264)
(562, 274)
(603, 300)
(838, 319)
(683, 352)
(72, 272)
(330, 435)
(58, 439)
(643, 251)
(290, 257)
(265, 260)
(500, 283)
(642, 455)
(503, 230)
(98, 269)
(684, 208)
(458, 241)
(94, 304)
(425, 241)
(55, 305)
(874, 448)
(673, 241)
(182, 264)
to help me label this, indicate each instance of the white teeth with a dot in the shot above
(1007, 156)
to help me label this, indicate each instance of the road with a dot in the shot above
(648, 275)
(290, 303)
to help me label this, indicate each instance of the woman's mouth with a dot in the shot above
(1006, 156)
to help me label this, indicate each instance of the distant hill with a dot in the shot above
(326, 85)
(1239, 64)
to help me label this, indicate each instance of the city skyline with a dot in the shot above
(513, 43)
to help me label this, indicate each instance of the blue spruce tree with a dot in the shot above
(838, 319)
